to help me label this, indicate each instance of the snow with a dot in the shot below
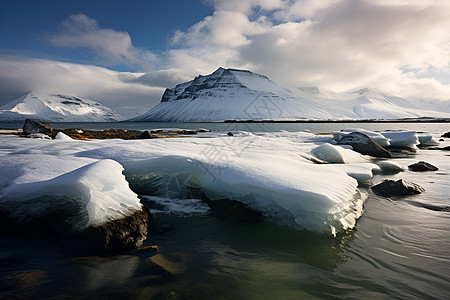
(94, 194)
(388, 165)
(402, 139)
(376, 136)
(63, 137)
(336, 154)
(86, 177)
(231, 94)
(56, 108)
(39, 136)
(427, 140)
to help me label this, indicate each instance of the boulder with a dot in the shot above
(229, 133)
(117, 235)
(446, 135)
(31, 126)
(146, 135)
(422, 166)
(365, 145)
(397, 188)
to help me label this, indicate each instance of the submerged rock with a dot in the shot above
(422, 166)
(116, 235)
(397, 188)
(365, 145)
(31, 126)
(235, 210)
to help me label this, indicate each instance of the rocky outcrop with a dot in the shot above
(31, 126)
(116, 235)
(365, 145)
(397, 188)
(422, 166)
(446, 135)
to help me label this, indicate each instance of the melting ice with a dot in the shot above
(272, 173)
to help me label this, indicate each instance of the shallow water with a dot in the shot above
(398, 250)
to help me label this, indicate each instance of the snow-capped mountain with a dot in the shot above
(57, 108)
(370, 104)
(231, 94)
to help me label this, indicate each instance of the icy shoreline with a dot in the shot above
(276, 174)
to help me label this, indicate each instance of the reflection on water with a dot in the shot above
(398, 249)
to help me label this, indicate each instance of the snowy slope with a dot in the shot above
(371, 104)
(230, 94)
(56, 108)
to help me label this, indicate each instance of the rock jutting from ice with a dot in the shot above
(92, 204)
(422, 166)
(446, 135)
(365, 145)
(32, 126)
(397, 188)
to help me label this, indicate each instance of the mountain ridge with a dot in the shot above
(233, 94)
(56, 107)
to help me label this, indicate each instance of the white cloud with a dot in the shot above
(401, 46)
(336, 44)
(18, 75)
(80, 31)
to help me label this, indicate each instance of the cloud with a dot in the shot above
(400, 46)
(161, 78)
(80, 31)
(337, 44)
(19, 74)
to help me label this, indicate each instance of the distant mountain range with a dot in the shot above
(231, 94)
(57, 108)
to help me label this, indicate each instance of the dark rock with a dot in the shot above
(397, 188)
(446, 148)
(446, 135)
(365, 145)
(441, 140)
(31, 126)
(147, 249)
(422, 166)
(146, 135)
(116, 235)
(185, 131)
(229, 133)
(235, 210)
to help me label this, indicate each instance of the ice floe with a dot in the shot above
(281, 182)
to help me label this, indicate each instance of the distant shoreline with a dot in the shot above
(409, 120)
(418, 120)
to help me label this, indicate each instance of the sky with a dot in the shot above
(124, 54)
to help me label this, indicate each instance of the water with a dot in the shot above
(398, 250)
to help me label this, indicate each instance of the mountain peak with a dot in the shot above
(233, 94)
(56, 107)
